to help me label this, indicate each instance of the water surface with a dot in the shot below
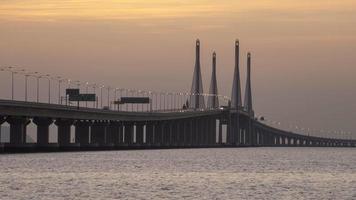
(241, 173)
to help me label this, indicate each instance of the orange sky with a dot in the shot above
(303, 51)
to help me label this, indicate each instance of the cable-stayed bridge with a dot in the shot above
(137, 119)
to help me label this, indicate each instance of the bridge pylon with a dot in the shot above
(236, 102)
(251, 134)
(213, 100)
(196, 98)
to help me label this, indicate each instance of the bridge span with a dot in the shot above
(109, 130)
(189, 124)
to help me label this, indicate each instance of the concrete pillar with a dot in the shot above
(113, 134)
(149, 133)
(243, 135)
(229, 130)
(202, 131)
(99, 133)
(212, 131)
(2, 120)
(220, 132)
(278, 140)
(139, 133)
(167, 132)
(64, 126)
(248, 132)
(194, 134)
(188, 139)
(174, 132)
(82, 132)
(18, 129)
(42, 130)
(129, 131)
(180, 133)
(159, 133)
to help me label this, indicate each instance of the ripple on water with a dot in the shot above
(251, 173)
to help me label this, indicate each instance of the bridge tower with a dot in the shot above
(233, 135)
(251, 137)
(196, 97)
(236, 102)
(248, 91)
(213, 100)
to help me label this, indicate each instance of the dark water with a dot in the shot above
(244, 173)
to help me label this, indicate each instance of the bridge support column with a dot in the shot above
(278, 140)
(167, 132)
(113, 133)
(42, 130)
(158, 134)
(149, 133)
(82, 132)
(174, 133)
(2, 120)
(220, 132)
(18, 129)
(99, 133)
(63, 127)
(128, 133)
(139, 133)
(188, 139)
(212, 131)
(180, 134)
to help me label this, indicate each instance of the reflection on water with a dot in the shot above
(241, 173)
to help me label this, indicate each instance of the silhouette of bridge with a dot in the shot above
(170, 120)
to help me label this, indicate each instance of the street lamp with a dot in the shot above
(48, 77)
(109, 96)
(101, 96)
(59, 88)
(95, 103)
(86, 91)
(38, 87)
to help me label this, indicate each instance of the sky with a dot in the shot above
(303, 52)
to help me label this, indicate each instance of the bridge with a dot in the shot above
(170, 120)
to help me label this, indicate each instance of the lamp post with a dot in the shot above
(27, 75)
(86, 91)
(109, 96)
(48, 77)
(38, 88)
(95, 103)
(59, 88)
(101, 96)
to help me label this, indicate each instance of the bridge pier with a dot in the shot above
(139, 133)
(42, 130)
(149, 133)
(113, 133)
(167, 133)
(220, 132)
(174, 133)
(188, 138)
(129, 133)
(63, 127)
(212, 131)
(158, 134)
(2, 120)
(18, 130)
(278, 140)
(181, 133)
(82, 129)
(99, 133)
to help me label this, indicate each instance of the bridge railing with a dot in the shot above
(44, 88)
